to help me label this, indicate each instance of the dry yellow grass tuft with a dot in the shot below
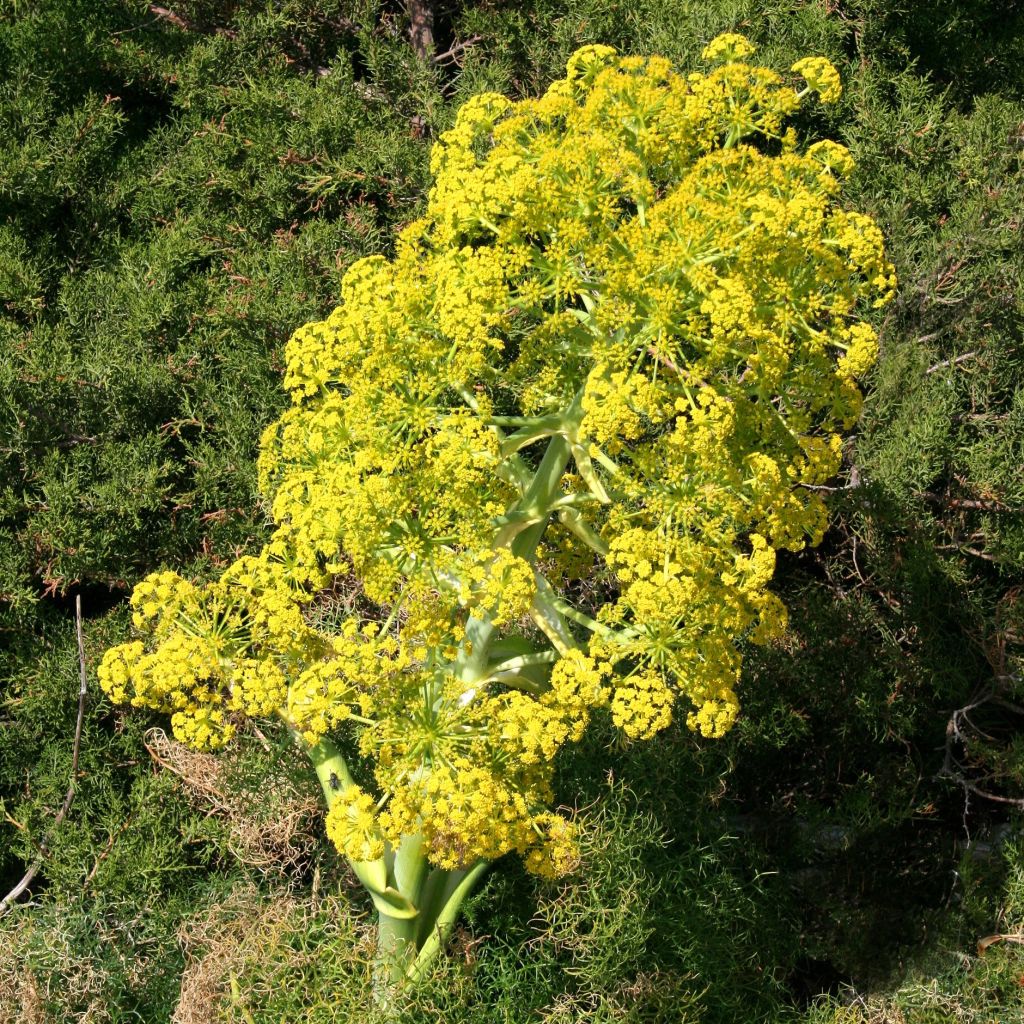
(217, 945)
(20, 1000)
(272, 829)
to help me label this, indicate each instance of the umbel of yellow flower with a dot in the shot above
(556, 441)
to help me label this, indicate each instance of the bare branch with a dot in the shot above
(451, 55)
(44, 846)
(950, 362)
(971, 504)
(831, 488)
(963, 549)
(984, 794)
(664, 360)
(167, 15)
(952, 768)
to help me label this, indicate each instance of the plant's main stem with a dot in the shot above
(417, 904)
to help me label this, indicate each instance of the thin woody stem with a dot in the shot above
(44, 847)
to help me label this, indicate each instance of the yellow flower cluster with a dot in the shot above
(861, 353)
(212, 654)
(729, 46)
(578, 682)
(465, 811)
(642, 705)
(352, 825)
(558, 439)
(821, 77)
(320, 698)
(557, 853)
(501, 587)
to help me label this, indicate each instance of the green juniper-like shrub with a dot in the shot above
(831, 775)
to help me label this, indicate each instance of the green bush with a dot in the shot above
(173, 202)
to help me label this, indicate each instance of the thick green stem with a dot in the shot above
(396, 950)
(547, 600)
(534, 508)
(471, 662)
(417, 905)
(572, 520)
(408, 946)
(460, 884)
(543, 491)
(334, 776)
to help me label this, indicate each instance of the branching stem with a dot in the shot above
(44, 847)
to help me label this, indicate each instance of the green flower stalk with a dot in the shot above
(554, 444)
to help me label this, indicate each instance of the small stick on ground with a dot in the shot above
(44, 847)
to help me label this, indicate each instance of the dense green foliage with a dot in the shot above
(176, 195)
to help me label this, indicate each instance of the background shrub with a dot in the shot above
(177, 194)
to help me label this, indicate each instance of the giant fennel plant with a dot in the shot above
(554, 445)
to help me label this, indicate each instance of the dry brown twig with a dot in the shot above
(453, 53)
(44, 847)
(950, 362)
(991, 940)
(164, 14)
(105, 852)
(175, 19)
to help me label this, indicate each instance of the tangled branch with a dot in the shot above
(44, 847)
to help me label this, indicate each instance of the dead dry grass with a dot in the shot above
(24, 996)
(217, 945)
(271, 825)
(20, 999)
(251, 934)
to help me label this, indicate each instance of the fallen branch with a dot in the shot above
(830, 488)
(950, 362)
(664, 360)
(962, 549)
(44, 846)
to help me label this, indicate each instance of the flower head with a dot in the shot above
(821, 77)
